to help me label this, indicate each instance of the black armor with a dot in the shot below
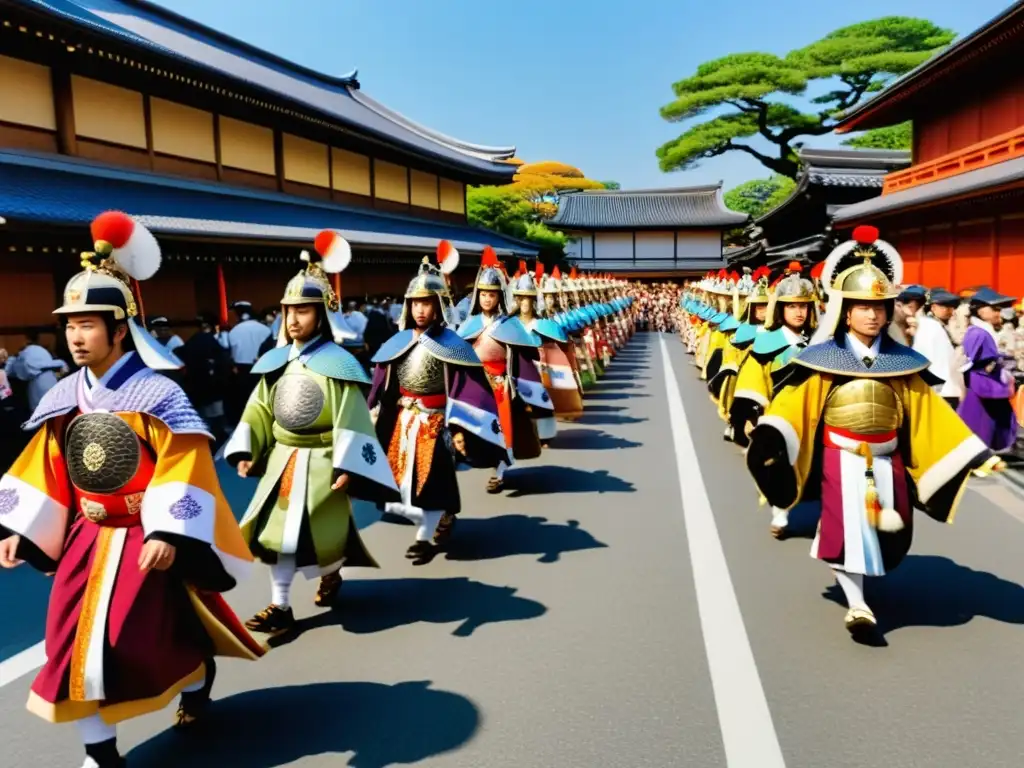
(103, 452)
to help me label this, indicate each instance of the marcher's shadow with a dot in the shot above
(594, 414)
(590, 440)
(382, 725)
(530, 481)
(623, 376)
(933, 591)
(610, 396)
(366, 606)
(510, 535)
(605, 384)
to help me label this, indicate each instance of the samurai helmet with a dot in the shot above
(431, 281)
(865, 268)
(311, 285)
(123, 251)
(550, 283)
(792, 288)
(491, 277)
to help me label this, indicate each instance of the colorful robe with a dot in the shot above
(558, 373)
(762, 372)
(568, 322)
(867, 480)
(305, 424)
(417, 425)
(116, 463)
(509, 352)
(723, 386)
(986, 405)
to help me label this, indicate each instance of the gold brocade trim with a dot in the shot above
(395, 458)
(425, 440)
(68, 711)
(288, 476)
(87, 618)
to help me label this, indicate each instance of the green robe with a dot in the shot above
(298, 512)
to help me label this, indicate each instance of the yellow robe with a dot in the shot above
(939, 450)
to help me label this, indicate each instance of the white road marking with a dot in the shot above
(20, 664)
(743, 715)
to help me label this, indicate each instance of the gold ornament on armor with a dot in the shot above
(93, 457)
(93, 511)
(865, 407)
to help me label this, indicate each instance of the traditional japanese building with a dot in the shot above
(653, 233)
(234, 157)
(957, 213)
(800, 228)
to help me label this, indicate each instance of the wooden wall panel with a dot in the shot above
(935, 266)
(246, 147)
(26, 94)
(182, 131)
(973, 254)
(424, 189)
(390, 181)
(306, 161)
(909, 244)
(96, 102)
(453, 196)
(1011, 256)
(351, 172)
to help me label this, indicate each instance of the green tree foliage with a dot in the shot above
(759, 196)
(611, 185)
(506, 210)
(894, 137)
(742, 91)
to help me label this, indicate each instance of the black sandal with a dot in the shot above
(495, 485)
(327, 592)
(193, 705)
(444, 528)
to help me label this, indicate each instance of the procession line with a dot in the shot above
(20, 664)
(748, 733)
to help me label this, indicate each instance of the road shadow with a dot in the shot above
(622, 376)
(590, 440)
(933, 591)
(367, 606)
(618, 384)
(532, 481)
(592, 395)
(598, 419)
(510, 535)
(383, 725)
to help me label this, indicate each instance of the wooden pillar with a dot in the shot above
(279, 159)
(216, 147)
(64, 110)
(147, 112)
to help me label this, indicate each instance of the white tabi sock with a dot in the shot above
(430, 520)
(780, 517)
(852, 585)
(93, 730)
(499, 472)
(282, 574)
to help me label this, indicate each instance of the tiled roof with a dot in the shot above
(851, 167)
(59, 190)
(145, 25)
(979, 180)
(645, 209)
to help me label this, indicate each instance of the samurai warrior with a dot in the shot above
(509, 353)
(434, 407)
(117, 497)
(792, 319)
(859, 427)
(306, 432)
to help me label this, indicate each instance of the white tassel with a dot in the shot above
(889, 520)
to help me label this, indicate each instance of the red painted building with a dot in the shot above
(957, 213)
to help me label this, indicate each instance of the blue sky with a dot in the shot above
(579, 81)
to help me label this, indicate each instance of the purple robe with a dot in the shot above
(986, 406)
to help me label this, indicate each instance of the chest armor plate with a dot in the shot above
(298, 401)
(489, 350)
(421, 373)
(103, 452)
(865, 407)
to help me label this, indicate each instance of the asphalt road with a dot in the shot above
(563, 629)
